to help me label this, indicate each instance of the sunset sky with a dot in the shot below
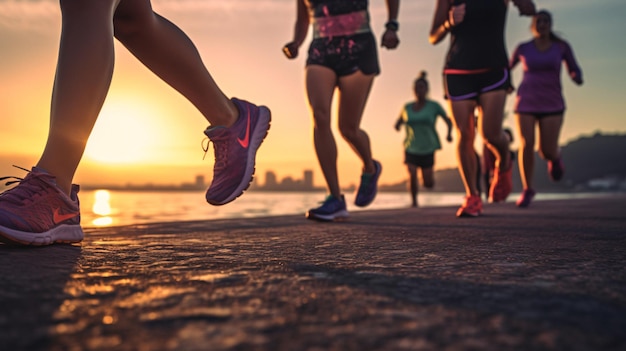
(149, 133)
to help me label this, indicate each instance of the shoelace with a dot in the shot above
(221, 151)
(26, 191)
(205, 148)
(15, 179)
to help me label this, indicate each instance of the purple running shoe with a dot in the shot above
(556, 169)
(525, 198)
(369, 186)
(235, 152)
(36, 212)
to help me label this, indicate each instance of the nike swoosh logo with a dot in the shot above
(58, 218)
(246, 139)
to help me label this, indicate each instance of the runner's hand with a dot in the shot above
(390, 39)
(525, 7)
(291, 50)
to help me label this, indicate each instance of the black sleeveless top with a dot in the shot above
(478, 41)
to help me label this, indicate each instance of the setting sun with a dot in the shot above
(126, 132)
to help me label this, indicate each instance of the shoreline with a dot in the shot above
(440, 210)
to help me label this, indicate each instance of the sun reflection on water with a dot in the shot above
(102, 208)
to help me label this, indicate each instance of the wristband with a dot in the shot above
(392, 25)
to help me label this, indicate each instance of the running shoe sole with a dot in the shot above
(341, 215)
(465, 214)
(64, 233)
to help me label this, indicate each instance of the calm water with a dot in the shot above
(113, 208)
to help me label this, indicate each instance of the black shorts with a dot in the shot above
(345, 54)
(540, 115)
(469, 86)
(422, 161)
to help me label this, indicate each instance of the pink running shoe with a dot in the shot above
(556, 169)
(525, 198)
(472, 207)
(36, 212)
(235, 152)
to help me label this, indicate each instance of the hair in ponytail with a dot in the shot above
(422, 78)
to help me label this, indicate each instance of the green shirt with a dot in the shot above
(421, 135)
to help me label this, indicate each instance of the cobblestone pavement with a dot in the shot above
(550, 277)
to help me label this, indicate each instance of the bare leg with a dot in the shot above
(463, 116)
(83, 76)
(428, 177)
(353, 92)
(413, 185)
(492, 108)
(526, 125)
(171, 55)
(479, 173)
(320, 86)
(549, 131)
(487, 173)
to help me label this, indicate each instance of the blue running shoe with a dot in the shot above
(37, 212)
(235, 152)
(332, 208)
(369, 186)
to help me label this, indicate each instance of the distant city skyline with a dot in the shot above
(287, 183)
(271, 183)
(592, 170)
(198, 184)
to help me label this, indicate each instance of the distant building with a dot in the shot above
(200, 181)
(308, 179)
(270, 180)
(288, 183)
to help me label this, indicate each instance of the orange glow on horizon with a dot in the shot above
(126, 132)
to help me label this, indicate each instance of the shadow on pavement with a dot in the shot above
(587, 315)
(32, 283)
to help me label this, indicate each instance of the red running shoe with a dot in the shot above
(472, 207)
(502, 185)
(37, 212)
